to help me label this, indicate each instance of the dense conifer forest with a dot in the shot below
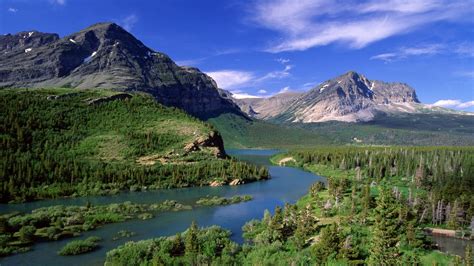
(61, 142)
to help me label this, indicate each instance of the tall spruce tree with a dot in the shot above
(191, 244)
(384, 250)
(468, 259)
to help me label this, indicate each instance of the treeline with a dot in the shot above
(436, 181)
(62, 147)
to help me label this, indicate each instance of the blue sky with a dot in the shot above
(260, 48)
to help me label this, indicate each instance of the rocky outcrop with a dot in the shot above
(235, 182)
(213, 142)
(106, 56)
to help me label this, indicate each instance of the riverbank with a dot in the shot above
(266, 195)
(20, 231)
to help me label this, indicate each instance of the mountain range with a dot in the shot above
(105, 55)
(350, 97)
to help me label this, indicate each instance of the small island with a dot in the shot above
(212, 201)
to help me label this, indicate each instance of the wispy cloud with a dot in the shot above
(129, 22)
(58, 2)
(231, 79)
(237, 94)
(466, 74)
(404, 52)
(465, 49)
(283, 61)
(236, 79)
(12, 10)
(309, 23)
(190, 62)
(262, 91)
(454, 104)
(197, 61)
(278, 74)
(285, 89)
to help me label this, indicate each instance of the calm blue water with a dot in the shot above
(286, 185)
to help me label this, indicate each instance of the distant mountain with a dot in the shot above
(106, 56)
(265, 108)
(350, 97)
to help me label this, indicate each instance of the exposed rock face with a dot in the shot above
(213, 141)
(106, 56)
(350, 97)
(266, 108)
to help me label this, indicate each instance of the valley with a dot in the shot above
(114, 154)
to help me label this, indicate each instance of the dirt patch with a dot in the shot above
(286, 160)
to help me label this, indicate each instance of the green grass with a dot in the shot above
(437, 257)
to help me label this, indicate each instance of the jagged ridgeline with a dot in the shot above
(66, 142)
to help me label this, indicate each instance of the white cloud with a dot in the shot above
(190, 62)
(58, 2)
(465, 49)
(283, 61)
(279, 74)
(129, 21)
(235, 79)
(243, 95)
(404, 52)
(454, 104)
(285, 89)
(231, 79)
(309, 23)
(466, 74)
(13, 10)
(262, 91)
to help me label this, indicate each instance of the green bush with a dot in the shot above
(76, 247)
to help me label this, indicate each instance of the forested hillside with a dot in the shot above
(64, 142)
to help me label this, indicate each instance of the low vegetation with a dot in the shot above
(211, 201)
(77, 247)
(19, 231)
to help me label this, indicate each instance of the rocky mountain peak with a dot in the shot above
(105, 55)
(25, 40)
(349, 97)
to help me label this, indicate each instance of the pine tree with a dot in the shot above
(178, 247)
(328, 244)
(468, 259)
(191, 244)
(384, 250)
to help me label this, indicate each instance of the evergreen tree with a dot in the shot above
(468, 259)
(328, 245)
(191, 244)
(384, 250)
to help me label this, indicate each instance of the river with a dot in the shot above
(286, 185)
